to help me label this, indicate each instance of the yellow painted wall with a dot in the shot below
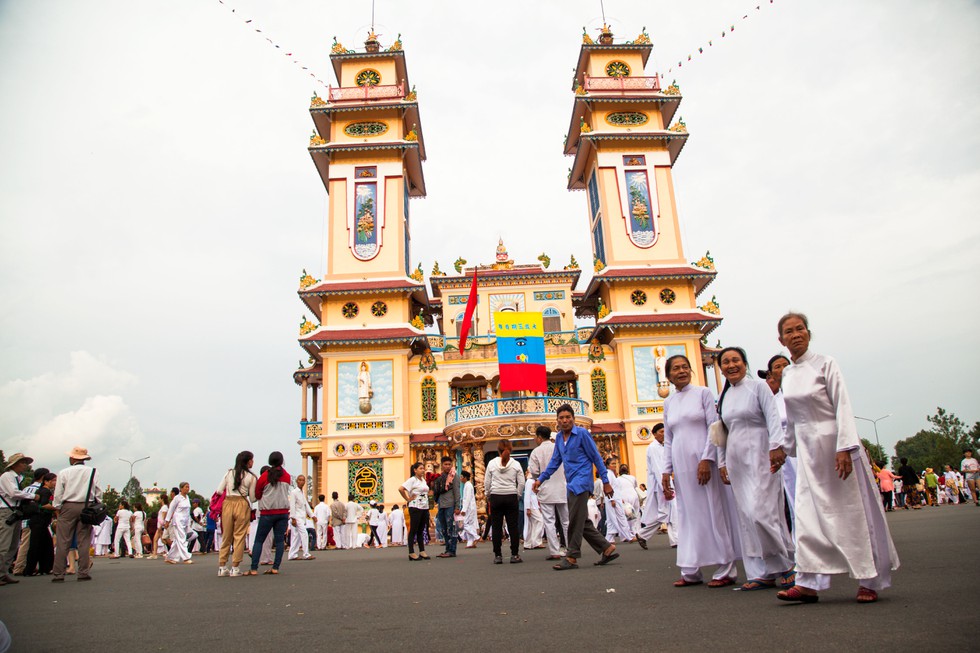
(598, 61)
(390, 261)
(391, 118)
(350, 69)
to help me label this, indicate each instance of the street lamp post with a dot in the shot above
(131, 463)
(875, 423)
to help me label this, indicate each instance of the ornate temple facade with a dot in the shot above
(386, 384)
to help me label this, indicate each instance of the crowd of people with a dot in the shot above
(773, 473)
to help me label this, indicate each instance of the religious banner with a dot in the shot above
(520, 351)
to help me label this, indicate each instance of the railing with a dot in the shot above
(539, 405)
(360, 93)
(310, 430)
(621, 84)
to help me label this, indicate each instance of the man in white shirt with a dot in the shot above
(552, 494)
(321, 516)
(10, 498)
(70, 495)
(354, 512)
(197, 524)
(25, 527)
(299, 512)
(374, 520)
(533, 525)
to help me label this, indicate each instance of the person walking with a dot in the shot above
(124, 530)
(10, 523)
(238, 489)
(446, 494)
(470, 526)
(576, 451)
(321, 516)
(338, 515)
(139, 525)
(617, 523)
(416, 492)
(299, 512)
(552, 495)
(199, 525)
(76, 485)
(179, 521)
(533, 524)
(373, 520)
(504, 484)
(886, 485)
(970, 468)
(397, 521)
(840, 522)
(272, 491)
(658, 513)
(910, 483)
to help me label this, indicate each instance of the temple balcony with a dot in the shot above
(494, 419)
(366, 93)
(310, 430)
(622, 85)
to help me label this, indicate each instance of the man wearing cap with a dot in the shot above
(70, 494)
(10, 496)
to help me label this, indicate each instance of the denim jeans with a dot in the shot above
(447, 520)
(277, 524)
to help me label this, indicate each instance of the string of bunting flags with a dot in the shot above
(251, 25)
(724, 33)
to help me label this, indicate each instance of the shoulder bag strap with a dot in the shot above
(91, 480)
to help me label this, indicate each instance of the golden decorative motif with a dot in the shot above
(711, 307)
(597, 264)
(397, 45)
(458, 264)
(306, 280)
(436, 272)
(545, 260)
(572, 264)
(586, 39)
(317, 101)
(337, 47)
(315, 139)
(643, 38)
(673, 89)
(679, 127)
(418, 322)
(605, 35)
(413, 135)
(706, 262)
(412, 95)
(584, 127)
(417, 274)
(580, 90)
(603, 310)
(306, 327)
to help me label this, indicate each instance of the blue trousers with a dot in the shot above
(277, 524)
(445, 519)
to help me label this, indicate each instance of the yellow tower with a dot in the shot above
(644, 294)
(368, 149)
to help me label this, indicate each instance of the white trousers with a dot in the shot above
(693, 574)
(299, 540)
(179, 551)
(138, 542)
(616, 522)
(350, 535)
(321, 534)
(548, 513)
(533, 529)
(126, 536)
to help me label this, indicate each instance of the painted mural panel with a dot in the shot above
(641, 211)
(649, 372)
(366, 220)
(365, 388)
(365, 480)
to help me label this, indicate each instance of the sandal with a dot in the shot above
(866, 595)
(758, 584)
(721, 582)
(554, 558)
(270, 572)
(683, 582)
(564, 564)
(794, 594)
(413, 556)
(606, 559)
(422, 556)
(787, 579)
(251, 572)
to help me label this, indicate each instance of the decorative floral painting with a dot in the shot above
(641, 212)
(366, 219)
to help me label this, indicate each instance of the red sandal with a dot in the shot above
(866, 595)
(795, 594)
(687, 583)
(721, 582)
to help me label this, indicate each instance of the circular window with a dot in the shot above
(667, 296)
(379, 309)
(617, 69)
(638, 297)
(350, 310)
(369, 77)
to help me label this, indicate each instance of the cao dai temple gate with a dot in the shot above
(387, 384)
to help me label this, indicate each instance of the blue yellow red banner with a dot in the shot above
(520, 352)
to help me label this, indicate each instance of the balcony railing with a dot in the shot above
(362, 93)
(520, 406)
(578, 336)
(621, 84)
(310, 430)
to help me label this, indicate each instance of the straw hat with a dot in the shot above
(16, 458)
(79, 453)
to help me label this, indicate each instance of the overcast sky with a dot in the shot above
(158, 202)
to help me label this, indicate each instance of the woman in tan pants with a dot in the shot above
(238, 486)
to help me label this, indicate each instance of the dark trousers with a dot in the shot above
(277, 524)
(505, 506)
(418, 519)
(580, 526)
(446, 518)
(40, 551)
(207, 542)
(886, 500)
(374, 536)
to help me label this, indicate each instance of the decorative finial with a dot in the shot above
(418, 275)
(436, 272)
(545, 260)
(572, 263)
(458, 264)
(680, 126)
(315, 139)
(586, 39)
(412, 95)
(584, 127)
(397, 45)
(317, 101)
(597, 264)
(602, 310)
(712, 307)
(306, 280)
(706, 262)
(413, 135)
(673, 89)
(306, 327)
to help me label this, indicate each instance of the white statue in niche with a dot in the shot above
(663, 385)
(364, 391)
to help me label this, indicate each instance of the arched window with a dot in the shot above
(430, 404)
(459, 322)
(600, 399)
(552, 319)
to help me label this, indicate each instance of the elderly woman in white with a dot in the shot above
(179, 516)
(840, 522)
(748, 411)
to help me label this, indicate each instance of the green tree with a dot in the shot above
(876, 451)
(929, 449)
(973, 437)
(949, 426)
(133, 492)
(111, 499)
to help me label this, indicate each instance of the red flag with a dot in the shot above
(464, 328)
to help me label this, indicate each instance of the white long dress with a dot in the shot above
(705, 536)
(179, 516)
(754, 429)
(840, 524)
(616, 522)
(398, 534)
(383, 526)
(628, 489)
(470, 532)
(789, 466)
(103, 538)
(657, 510)
(533, 525)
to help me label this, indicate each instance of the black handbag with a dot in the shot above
(94, 512)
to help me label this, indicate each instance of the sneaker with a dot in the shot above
(515, 559)
(222, 571)
(235, 571)
(497, 560)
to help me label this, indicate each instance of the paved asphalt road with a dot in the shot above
(376, 600)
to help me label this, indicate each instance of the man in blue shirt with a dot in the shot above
(576, 450)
